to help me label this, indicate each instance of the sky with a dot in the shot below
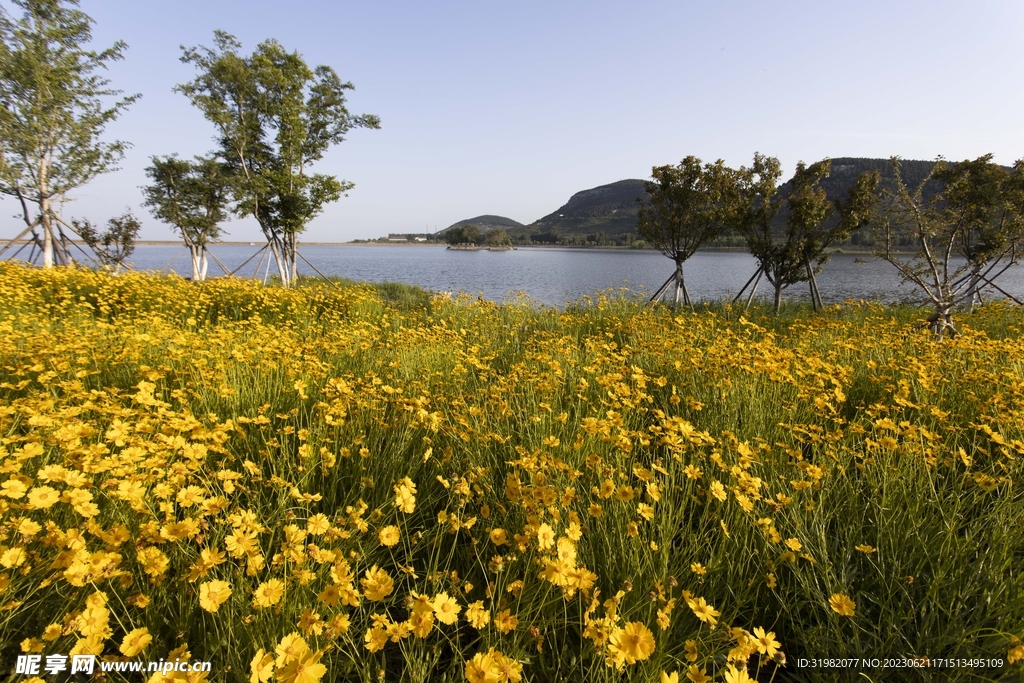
(510, 108)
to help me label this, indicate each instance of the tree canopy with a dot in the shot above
(275, 117)
(54, 106)
(977, 215)
(192, 197)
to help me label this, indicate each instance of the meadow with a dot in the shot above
(345, 482)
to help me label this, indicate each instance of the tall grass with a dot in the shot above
(589, 479)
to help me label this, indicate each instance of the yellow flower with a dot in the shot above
(268, 593)
(291, 647)
(766, 643)
(545, 536)
(13, 488)
(509, 670)
(377, 585)
(405, 496)
(734, 675)
(634, 642)
(842, 604)
(476, 615)
(499, 537)
(389, 536)
(794, 544)
(135, 642)
(697, 674)
(446, 609)
(698, 568)
(318, 524)
(376, 638)
(866, 549)
(13, 557)
(306, 668)
(482, 668)
(505, 621)
(42, 497)
(421, 623)
(704, 611)
(212, 594)
(670, 677)
(262, 667)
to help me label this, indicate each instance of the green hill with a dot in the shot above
(610, 209)
(488, 222)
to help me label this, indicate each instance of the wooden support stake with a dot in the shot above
(1000, 289)
(314, 268)
(757, 274)
(262, 249)
(217, 261)
(661, 290)
(167, 265)
(753, 290)
(20, 235)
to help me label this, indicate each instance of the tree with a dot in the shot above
(52, 114)
(497, 237)
(967, 234)
(813, 223)
(470, 234)
(274, 117)
(687, 206)
(192, 197)
(113, 245)
(455, 235)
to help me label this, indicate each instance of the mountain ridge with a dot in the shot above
(611, 209)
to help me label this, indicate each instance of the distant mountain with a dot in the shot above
(608, 213)
(612, 209)
(609, 208)
(489, 222)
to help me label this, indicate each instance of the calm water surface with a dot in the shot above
(554, 276)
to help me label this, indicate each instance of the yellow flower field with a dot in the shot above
(333, 483)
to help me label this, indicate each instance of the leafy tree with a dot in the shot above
(471, 234)
(966, 235)
(813, 223)
(274, 117)
(456, 235)
(52, 114)
(497, 237)
(687, 206)
(113, 245)
(192, 197)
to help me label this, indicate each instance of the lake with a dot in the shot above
(554, 276)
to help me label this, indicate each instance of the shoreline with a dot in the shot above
(439, 245)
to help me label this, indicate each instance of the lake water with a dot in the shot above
(554, 276)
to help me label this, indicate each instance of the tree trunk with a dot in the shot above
(44, 217)
(778, 297)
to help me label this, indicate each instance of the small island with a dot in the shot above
(481, 247)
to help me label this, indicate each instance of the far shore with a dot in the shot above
(172, 243)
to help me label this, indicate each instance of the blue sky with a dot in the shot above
(509, 108)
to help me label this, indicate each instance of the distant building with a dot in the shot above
(408, 237)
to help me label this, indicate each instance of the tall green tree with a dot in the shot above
(798, 251)
(54, 106)
(275, 117)
(687, 206)
(967, 234)
(191, 196)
